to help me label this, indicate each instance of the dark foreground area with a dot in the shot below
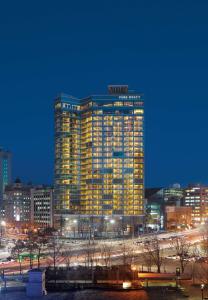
(102, 295)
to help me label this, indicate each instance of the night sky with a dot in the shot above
(79, 47)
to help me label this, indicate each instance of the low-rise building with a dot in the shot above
(17, 204)
(173, 195)
(157, 199)
(196, 196)
(28, 206)
(178, 217)
(154, 209)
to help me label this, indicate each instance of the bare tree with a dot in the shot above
(202, 263)
(34, 245)
(90, 258)
(204, 243)
(147, 260)
(67, 255)
(154, 252)
(195, 253)
(127, 255)
(17, 250)
(31, 246)
(40, 242)
(54, 248)
(87, 254)
(182, 250)
(106, 253)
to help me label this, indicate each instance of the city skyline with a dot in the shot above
(103, 149)
(164, 56)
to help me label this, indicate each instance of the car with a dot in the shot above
(9, 258)
(4, 261)
(202, 259)
(172, 257)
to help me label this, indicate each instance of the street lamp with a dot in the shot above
(133, 268)
(74, 227)
(3, 224)
(202, 291)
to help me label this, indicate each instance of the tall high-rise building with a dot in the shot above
(99, 155)
(5, 172)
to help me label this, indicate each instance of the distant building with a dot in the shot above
(5, 172)
(42, 206)
(173, 195)
(17, 203)
(178, 217)
(28, 206)
(154, 216)
(154, 208)
(196, 196)
(157, 199)
(155, 194)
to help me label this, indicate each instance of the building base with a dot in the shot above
(85, 226)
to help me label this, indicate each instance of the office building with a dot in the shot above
(99, 156)
(196, 196)
(173, 195)
(178, 217)
(27, 206)
(157, 199)
(42, 206)
(5, 172)
(17, 203)
(153, 217)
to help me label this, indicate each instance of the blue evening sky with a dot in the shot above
(79, 47)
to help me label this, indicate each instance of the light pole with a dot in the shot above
(202, 291)
(133, 268)
(112, 227)
(3, 224)
(74, 227)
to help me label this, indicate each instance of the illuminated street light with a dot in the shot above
(74, 221)
(202, 291)
(17, 218)
(112, 221)
(133, 268)
(126, 285)
(3, 223)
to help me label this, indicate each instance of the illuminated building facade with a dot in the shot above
(196, 196)
(99, 155)
(173, 195)
(42, 206)
(178, 217)
(17, 205)
(5, 172)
